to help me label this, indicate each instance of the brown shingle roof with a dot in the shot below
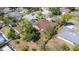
(42, 24)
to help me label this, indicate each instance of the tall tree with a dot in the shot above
(31, 33)
(54, 10)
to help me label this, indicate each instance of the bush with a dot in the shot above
(25, 48)
(33, 49)
(12, 35)
(31, 33)
(50, 31)
(72, 8)
(17, 37)
(54, 11)
(76, 48)
(17, 42)
(65, 47)
(66, 17)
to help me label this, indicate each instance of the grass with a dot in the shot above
(5, 30)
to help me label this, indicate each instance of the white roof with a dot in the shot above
(30, 17)
(2, 38)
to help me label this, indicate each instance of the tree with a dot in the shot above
(12, 35)
(65, 47)
(1, 15)
(76, 48)
(72, 8)
(6, 20)
(40, 17)
(24, 22)
(25, 48)
(9, 20)
(65, 17)
(54, 10)
(31, 33)
(50, 31)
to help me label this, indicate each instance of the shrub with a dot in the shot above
(31, 33)
(76, 48)
(25, 48)
(65, 47)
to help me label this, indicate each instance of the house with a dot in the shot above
(6, 10)
(64, 10)
(15, 14)
(4, 43)
(70, 33)
(40, 25)
(31, 17)
(77, 8)
(46, 13)
(1, 8)
(56, 19)
(76, 13)
(19, 9)
(3, 38)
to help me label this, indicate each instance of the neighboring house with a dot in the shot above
(64, 10)
(19, 9)
(77, 8)
(40, 25)
(4, 43)
(3, 38)
(31, 17)
(6, 10)
(1, 8)
(46, 13)
(15, 14)
(76, 13)
(70, 33)
(56, 19)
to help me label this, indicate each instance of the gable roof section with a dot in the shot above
(31, 16)
(42, 24)
(2, 38)
(70, 35)
(15, 14)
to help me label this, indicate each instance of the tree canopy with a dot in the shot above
(31, 33)
(65, 47)
(54, 10)
(76, 48)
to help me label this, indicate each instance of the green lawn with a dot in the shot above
(5, 30)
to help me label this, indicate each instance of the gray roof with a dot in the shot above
(31, 16)
(64, 9)
(70, 35)
(57, 19)
(6, 10)
(75, 13)
(2, 38)
(15, 14)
